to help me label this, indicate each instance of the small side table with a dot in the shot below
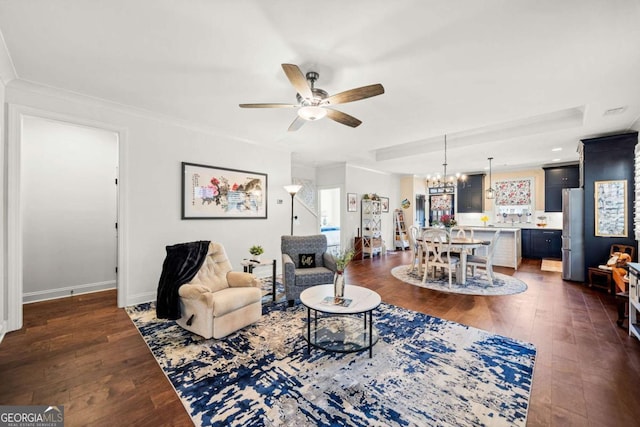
(250, 265)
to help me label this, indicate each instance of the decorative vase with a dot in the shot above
(485, 223)
(448, 230)
(338, 284)
(256, 258)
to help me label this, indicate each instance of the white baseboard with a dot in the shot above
(141, 298)
(49, 294)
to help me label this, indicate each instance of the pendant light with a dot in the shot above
(490, 193)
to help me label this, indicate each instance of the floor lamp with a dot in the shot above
(292, 189)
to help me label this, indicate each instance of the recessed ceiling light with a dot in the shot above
(555, 160)
(617, 110)
(557, 149)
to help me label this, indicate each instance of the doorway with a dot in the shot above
(330, 217)
(69, 210)
(20, 228)
(420, 215)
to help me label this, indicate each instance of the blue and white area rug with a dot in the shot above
(267, 290)
(424, 371)
(476, 285)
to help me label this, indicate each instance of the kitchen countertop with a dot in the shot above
(509, 227)
(508, 250)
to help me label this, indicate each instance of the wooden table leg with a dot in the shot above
(622, 302)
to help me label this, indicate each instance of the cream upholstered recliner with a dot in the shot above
(218, 301)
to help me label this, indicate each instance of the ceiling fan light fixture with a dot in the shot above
(312, 100)
(312, 113)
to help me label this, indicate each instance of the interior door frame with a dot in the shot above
(341, 208)
(14, 279)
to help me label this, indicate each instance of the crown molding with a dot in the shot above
(22, 85)
(7, 69)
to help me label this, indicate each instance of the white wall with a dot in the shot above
(7, 74)
(355, 179)
(360, 181)
(410, 187)
(69, 209)
(3, 280)
(308, 222)
(153, 148)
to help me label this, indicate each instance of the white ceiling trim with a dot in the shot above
(563, 119)
(87, 100)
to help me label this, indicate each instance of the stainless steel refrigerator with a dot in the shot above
(573, 234)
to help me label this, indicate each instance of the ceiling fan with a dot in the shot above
(313, 103)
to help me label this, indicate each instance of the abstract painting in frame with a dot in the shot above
(611, 208)
(211, 192)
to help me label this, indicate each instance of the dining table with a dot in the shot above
(461, 245)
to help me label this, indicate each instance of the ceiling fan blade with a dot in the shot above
(298, 80)
(355, 94)
(343, 118)
(267, 106)
(296, 124)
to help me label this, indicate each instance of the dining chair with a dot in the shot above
(485, 262)
(459, 232)
(415, 249)
(462, 232)
(436, 246)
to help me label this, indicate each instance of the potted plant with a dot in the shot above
(343, 259)
(256, 251)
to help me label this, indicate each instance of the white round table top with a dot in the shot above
(362, 299)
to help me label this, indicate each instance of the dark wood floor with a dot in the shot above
(84, 353)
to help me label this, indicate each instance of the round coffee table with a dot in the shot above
(340, 328)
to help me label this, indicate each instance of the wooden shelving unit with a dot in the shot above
(401, 239)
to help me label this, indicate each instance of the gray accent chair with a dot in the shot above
(298, 279)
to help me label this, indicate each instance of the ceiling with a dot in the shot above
(510, 79)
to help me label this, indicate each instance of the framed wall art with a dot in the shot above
(211, 192)
(611, 208)
(384, 204)
(352, 202)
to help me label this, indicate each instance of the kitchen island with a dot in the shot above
(508, 251)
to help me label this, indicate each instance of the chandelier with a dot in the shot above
(444, 180)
